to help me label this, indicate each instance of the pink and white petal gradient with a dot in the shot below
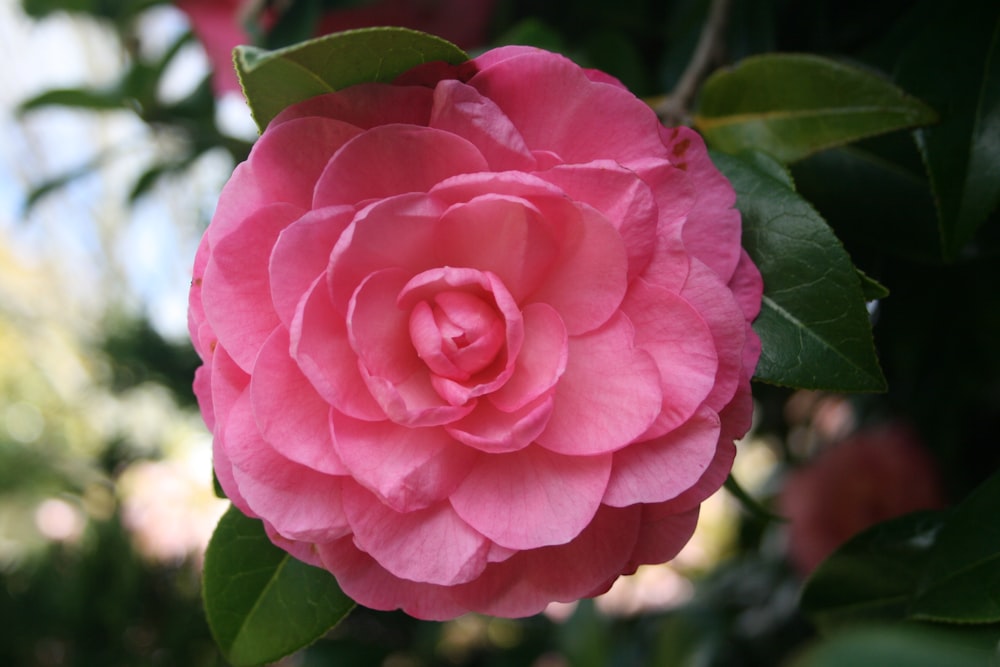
(478, 340)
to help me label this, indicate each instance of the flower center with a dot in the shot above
(456, 333)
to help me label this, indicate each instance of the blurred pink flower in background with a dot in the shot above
(876, 474)
(220, 25)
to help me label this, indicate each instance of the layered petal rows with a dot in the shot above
(476, 343)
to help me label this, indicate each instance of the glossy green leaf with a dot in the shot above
(261, 603)
(900, 646)
(273, 80)
(961, 582)
(952, 60)
(813, 323)
(871, 288)
(874, 575)
(792, 106)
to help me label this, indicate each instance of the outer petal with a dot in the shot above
(301, 254)
(294, 154)
(747, 286)
(609, 395)
(365, 105)
(710, 482)
(462, 110)
(565, 112)
(380, 163)
(291, 416)
(528, 581)
(532, 497)
(299, 502)
(676, 336)
(319, 344)
(431, 545)
(370, 584)
(236, 289)
(662, 535)
(661, 469)
(407, 468)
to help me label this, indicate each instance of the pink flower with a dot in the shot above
(219, 25)
(481, 344)
(876, 474)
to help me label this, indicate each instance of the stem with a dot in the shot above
(674, 109)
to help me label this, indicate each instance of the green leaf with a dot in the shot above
(871, 288)
(961, 582)
(953, 61)
(792, 106)
(273, 80)
(900, 646)
(874, 575)
(261, 603)
(813, 323)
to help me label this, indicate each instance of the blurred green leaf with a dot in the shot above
(952, 60)
(261, 603)
(961, 581)
(80, 98)
(899, 646)
(274, 80)
(874, 575)
(794, 105)
(813, 323)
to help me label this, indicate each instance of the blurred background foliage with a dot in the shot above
(118, 141)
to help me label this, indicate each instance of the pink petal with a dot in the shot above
(565, 112)
(462, 110)
(710, 482)
(196, 310)
(540, 362)
(431, 545)
(293, 154)
(240, 197)
(712, 231)
(713, 301)
(301, 503)
(661, 469)
(532, 497)
(662, 535)
(747, 286)
(371, 585)
(588, 281)
(227, 385)
(528, 581)
(301, 254)
(381, 163)
(319, 344)
(507, 236)
(407, 468)
(608, 396)
(399, 232)
(292, 417)
(680, 341)
(236, 289)
(202, 388)
(622, 197)
(366, 105)
(491, 430)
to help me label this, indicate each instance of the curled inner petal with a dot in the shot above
(457, 334)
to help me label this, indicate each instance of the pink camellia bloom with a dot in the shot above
(478, 340)
(877, 474)
(219, 25)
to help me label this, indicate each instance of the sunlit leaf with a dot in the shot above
(961, 582)
(261, 603)
(813, 323)
(874, 575)
(273, 80)
(953, 61)
(794, 105)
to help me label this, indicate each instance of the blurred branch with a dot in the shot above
(674, 108)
